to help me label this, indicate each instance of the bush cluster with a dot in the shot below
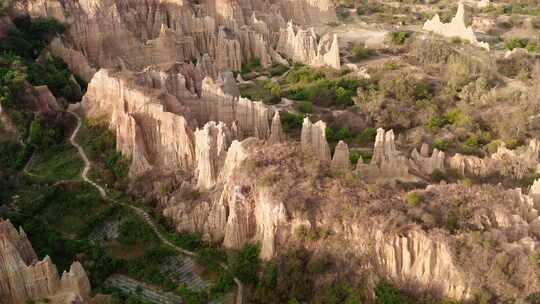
(326, 92)
(100, 144)
(399, 37)
(361, 52)
(253, 65)
(18, 53)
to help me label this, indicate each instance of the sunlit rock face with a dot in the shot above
(456, 28)
(313, 139)
(302, 45)
(267, 193)
(160, 76)
(23, 277)
(505, 162)
(155, 115)
(135, 34)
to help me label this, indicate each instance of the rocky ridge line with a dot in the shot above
(145, 216)
(23, 276)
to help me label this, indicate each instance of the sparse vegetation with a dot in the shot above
(399, 37)
(413, 199)
(386, 293)
(58, 162)
(291, 122)
(111, 167)
(254, 65)
(264, 90)
(441, 91)
(361, 52)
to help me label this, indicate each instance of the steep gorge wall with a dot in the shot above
(135, 34)
(146, 132)
(280, 196)
(154, 115)
(301, 45)
(24, 277)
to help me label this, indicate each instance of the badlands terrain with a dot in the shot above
(282, 151)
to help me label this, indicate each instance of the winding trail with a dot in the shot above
(146, 217)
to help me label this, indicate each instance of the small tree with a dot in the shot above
(245, 264)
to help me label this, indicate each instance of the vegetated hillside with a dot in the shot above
(298, 185)
(40, 186)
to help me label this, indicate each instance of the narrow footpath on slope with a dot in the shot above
(139, 211)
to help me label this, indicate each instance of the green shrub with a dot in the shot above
(527, 181)
(147, 267)
(30, 37)
(132, 231)
(100, 144)
(190, 296)
(493, 146)
(12, 155)
(343, 14)
(391, 65)
(354, 157)
(360, 52)
(456, 40)
(441, 144)
(253, 65)
(4, 5)
(210, 256)
(223, 283)
(265, 90)
(413, 199)
(323, 87)
(278, 69)
(334, 135)
(438, 175)
(44, 135)
(245, 264)
(326, 92)
(99, 265)
(303, 74)
(399, 37)
(452, 223)
(367, 136)
(458, 118)
(533, 47)
(20, 48)
(437, 122)
(291, 121)
(187, 241)
(516, 43)
(275, 92)
(386, 293)
(318, 265)
(305, 106)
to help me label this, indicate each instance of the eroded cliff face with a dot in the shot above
(155, 115)
(313, 139)
(23, 277)
(135, 34)
(176, 118)
(147, 131)
(505, 162)
(456, 28)
(273, 193)
(263, 190)
(301, 45)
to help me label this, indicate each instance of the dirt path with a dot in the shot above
(146, 217)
